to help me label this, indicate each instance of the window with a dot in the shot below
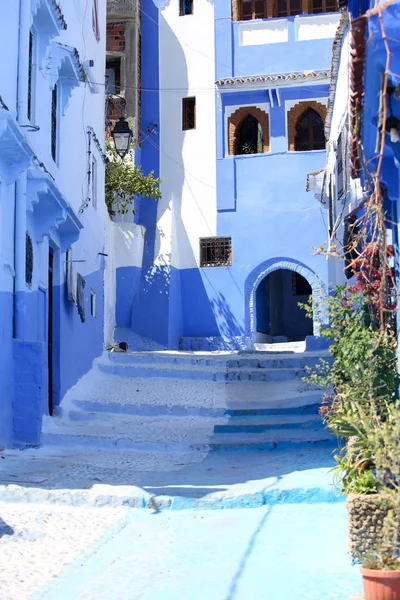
(288, 8)
(93, 303)
(113, 75)
(341, 164)
(54, 99)
(185, 7)
(94, 182)
(310, 133)
(249, 137)
(350, 245)
(30, 75)
(28, 259)
(322, 6)
(300, 285)
(188, 113)
(95, 20)
(253, 9)
(215, 252)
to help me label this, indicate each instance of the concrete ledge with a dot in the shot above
(135, 497)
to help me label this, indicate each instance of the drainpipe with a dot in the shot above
(19, 256)
(23, 61)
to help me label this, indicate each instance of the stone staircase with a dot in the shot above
(192, 403)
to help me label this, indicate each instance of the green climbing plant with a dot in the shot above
(124, 181)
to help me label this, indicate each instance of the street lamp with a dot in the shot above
(122, 136)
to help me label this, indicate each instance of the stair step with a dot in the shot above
(262, 423)
(217, 374)
(219, 442)
(267, 360)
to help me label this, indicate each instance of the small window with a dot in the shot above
(341, 164)
(289, 8)
(93, 174)
(253, 9)
(113, 75)
(350, 232)
(215, 252)
(93, 303)
(185, 7)
(310, 133)
(188, 113)
(322, 6)
(95, 20)
(300, 285)
(28, 259)
(54, 124)
(30, 75)
(249, 137)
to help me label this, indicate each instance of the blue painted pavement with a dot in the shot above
(281, 552)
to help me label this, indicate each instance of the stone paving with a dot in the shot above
(281, 552)
(37, 542)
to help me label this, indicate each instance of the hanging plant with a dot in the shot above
(124, 181)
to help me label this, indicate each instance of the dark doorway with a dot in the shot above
(50, 330)
(279, 318)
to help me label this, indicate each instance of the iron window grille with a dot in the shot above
(30, 71)
(185, 7)
(188, 113)
(54, 123)
(216, 252)
(28, 259)
(249, 138)
(289, 8)
(322, 6)
(310, 134)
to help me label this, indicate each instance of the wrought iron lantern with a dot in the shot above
(122, 136)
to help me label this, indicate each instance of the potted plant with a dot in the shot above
(380, 570)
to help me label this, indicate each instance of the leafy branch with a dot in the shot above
(124, 181)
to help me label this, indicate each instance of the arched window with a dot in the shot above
(309, 131)
(249, 137)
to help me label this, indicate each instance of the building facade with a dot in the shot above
(234, 99)
(52, 207)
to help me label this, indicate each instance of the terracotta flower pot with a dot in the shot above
(381, 585)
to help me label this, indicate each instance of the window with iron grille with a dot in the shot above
(249, 137)
(30, 72)
(54, 124)
(310, 134)
(185, 7)
(215, 252)
(188, 113)
(28, 259)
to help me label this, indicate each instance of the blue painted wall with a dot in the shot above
(261, 200)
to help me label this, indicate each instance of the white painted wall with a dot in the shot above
(263, 32)
(187, 210)
(316, 27)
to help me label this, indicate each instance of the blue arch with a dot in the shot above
(260, 272)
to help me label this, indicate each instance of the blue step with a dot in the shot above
(257, 360)
(232, 428)
(201, 374)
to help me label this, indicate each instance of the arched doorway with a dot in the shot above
(278, 316)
